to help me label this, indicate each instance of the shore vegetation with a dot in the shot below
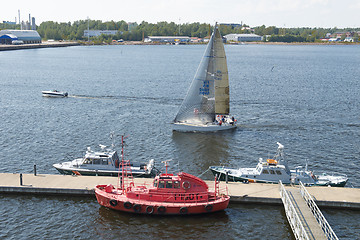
(136, 32)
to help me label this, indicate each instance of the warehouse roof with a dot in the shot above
(22, 34)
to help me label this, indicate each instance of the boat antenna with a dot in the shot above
(280, 150)
(112, 139)
(166, 165)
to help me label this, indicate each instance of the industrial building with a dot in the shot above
(26, 36)
(96, 33)
(242, 37)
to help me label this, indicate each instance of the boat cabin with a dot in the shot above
(110, 158)
(174, 188)
(181, 182)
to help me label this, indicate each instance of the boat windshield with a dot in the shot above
(166, 184)
(97, 161)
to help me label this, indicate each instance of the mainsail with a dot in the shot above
(208, 94)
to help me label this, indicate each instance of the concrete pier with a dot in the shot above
(258, 193)
(38, 45)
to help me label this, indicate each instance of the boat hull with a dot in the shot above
(107, 173)
(184, 127)
(231, 178)
(120, 202)
(54, 94)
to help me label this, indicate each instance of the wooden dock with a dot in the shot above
(256, 193)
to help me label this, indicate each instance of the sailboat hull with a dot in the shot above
(185, 127)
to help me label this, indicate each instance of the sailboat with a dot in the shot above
(206, 106)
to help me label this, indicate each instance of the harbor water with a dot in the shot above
(305, 97)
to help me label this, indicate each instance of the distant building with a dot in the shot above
(170, 39)
(242, 37)
(27, 36)
(96, 33)
(10, 23)
(132, 26)
(233, 25)
(33, 25)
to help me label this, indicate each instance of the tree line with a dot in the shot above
(75, 30)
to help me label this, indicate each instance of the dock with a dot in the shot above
(37, 45)
(253, 193)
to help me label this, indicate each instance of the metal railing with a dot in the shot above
(291, 214)
(325, 226)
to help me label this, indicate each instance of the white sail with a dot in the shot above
(208, 94)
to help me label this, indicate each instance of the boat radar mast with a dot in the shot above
(166, 165)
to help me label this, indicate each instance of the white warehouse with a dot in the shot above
(242, 37)
(96, 33)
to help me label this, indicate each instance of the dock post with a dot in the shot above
(34, 169)
(226, 177)
(21, 180)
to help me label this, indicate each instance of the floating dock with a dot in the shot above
(256, 193)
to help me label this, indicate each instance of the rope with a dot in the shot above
(203, 173)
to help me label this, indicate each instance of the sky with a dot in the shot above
(279, 13)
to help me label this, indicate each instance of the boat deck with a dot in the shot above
(257, 193)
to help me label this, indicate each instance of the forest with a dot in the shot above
(75, 31)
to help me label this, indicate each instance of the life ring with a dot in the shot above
(149, 209)
(161, 209)
(127, 205)
(113, 202)
(208, 207)
(137, 208)
(183, 210)
(186, 185)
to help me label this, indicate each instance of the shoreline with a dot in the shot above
(4, 47)
(70, 44)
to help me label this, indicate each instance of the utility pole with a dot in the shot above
(88, 30)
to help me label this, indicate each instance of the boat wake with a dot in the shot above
(167, 101)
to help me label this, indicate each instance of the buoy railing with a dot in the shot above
(291, 214)
(325, 226)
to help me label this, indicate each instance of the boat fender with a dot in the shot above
(149, 209)
(137, 208)
(127, 205)
(186, 185)
(208, 207)
(161, 209)
(184, 210)
(113, 202)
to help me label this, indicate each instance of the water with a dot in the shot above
(306, 97)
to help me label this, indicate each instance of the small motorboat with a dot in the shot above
(104, 163)
(170, 194)
(54, 93)
(276, 169)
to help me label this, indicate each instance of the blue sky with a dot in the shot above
(280, 13)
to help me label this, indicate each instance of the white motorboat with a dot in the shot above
(54, 93)
(104, 163)
(276, 169)
(206, 106)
